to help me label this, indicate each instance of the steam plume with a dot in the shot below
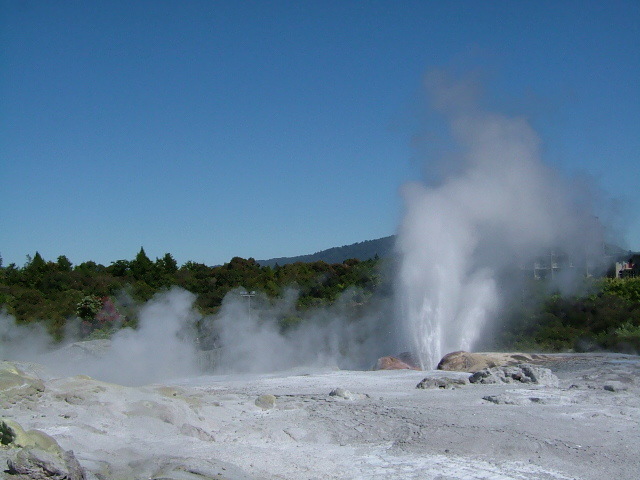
(500, 208)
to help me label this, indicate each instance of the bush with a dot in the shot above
(627, 288)
(607, 320)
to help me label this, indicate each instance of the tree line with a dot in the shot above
(607, 316)
(53, 292)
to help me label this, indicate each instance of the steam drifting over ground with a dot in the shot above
(252, 341)
(160, 348)
(171, 337)
(501, 207)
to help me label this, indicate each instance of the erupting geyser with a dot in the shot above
(502, 207)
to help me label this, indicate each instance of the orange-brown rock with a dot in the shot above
(393, 363)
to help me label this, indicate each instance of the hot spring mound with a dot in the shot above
(473, 362)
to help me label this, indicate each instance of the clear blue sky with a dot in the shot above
(214, 129)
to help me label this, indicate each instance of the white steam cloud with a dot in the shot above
(252, 340)
(501, 208)
(173, 341)
(162, 347)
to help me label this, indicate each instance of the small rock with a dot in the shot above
(486, 376)
(342, 393)
(266, 402)
(507, 399)
(442, 383)
(497, 399)
(524, 373)
(615, 387)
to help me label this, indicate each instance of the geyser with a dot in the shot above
(501, 208)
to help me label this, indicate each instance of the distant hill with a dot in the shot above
(382, 247)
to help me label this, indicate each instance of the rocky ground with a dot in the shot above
(584, 424)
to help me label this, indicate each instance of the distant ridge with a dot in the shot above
(382, 247)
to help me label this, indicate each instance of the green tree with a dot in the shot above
(89, 267)
(64, 264)
(36, 263)
(141, 266)
(119, 268)
(167, 264)
(34, 270)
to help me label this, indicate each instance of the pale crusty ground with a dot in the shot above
(210, 426)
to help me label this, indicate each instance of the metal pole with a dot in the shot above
(248, 295)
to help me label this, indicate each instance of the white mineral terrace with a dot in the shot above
(337, 424)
